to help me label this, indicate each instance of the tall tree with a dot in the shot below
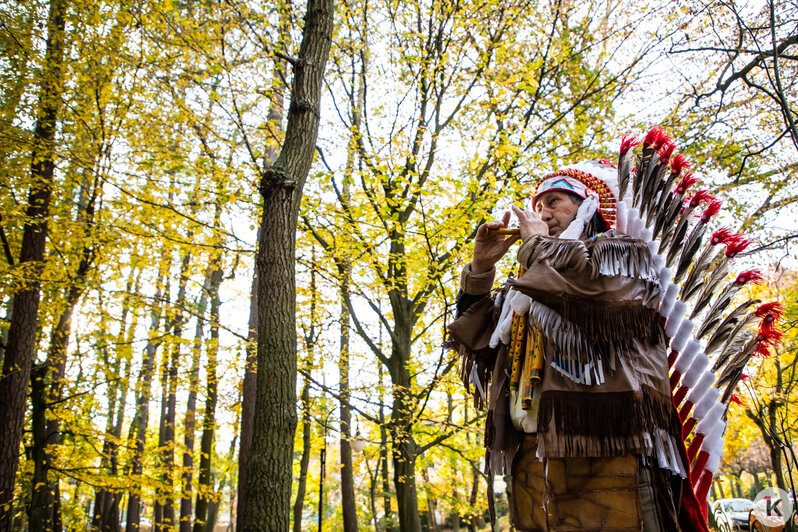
(275, 118)
(18, 355)
(268, 495)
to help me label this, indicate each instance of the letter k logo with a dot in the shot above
(773, 507)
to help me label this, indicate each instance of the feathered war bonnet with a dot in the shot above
(593, 181)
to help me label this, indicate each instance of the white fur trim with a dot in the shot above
(696, 371)
(583, 215)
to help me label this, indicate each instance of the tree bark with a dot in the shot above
(47, 381)
(404, 448)
(249, 387)
(205, 482)
(164, 510)
(106, 502)
(349, 508)
(269, 470)
(191, 408)
(383, 465)
(304, 461)
(24, 318)
(138, 427)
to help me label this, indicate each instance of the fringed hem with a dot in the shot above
(476, 365)
(615, 255)
(613, 321)
(561, 254)
(567, 339)
(578, 446)
(608, 423)
(610, 254)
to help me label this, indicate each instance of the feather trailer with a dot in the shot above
(693, 281)
(678, 239)
(734, 245)
(767, 338)
(644, 160)
(724, 328)
(671, 207)
(728, 292)
(738, 338)
(694, 242)
(625, 163)
(664, 184)
(655, 173)
(678, 163)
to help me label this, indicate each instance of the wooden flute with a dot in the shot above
(504, 231)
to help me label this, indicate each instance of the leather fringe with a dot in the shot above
(614, 255)
(613, 321)
(474, 363)
(561, 254)
(564, 337)
(610, 417)
(610, 254)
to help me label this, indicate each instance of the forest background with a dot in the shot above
(137, 143)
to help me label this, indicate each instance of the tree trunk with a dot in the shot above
(47, 385)
(24, 317)
(269, 470)
(205, 483)
(403, 446)
(106, 502)
(248, 392)
(164, 502)
(347, 474)
(191, 407)
(304, 461)
(138, 427)
(386, 485)
(275, 123)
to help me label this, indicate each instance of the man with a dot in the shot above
(571, 356)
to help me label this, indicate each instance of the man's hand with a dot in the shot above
(529, 223)
(488, 249)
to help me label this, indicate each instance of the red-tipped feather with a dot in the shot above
(736, 244)
(770, 335)
(749, 276)
(771, 311)
(702, 196)
(720, 236)
(679, 163)
(666, 151)
(627, 143)
(736, 399)
(712, 209)
(687, 181)
(662, 140)
(651, 137)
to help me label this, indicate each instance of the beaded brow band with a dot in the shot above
(606, 197)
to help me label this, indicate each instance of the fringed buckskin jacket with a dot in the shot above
(604, 391)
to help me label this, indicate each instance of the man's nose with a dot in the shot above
(545, 214)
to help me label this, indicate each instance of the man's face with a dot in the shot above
(557, 209)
